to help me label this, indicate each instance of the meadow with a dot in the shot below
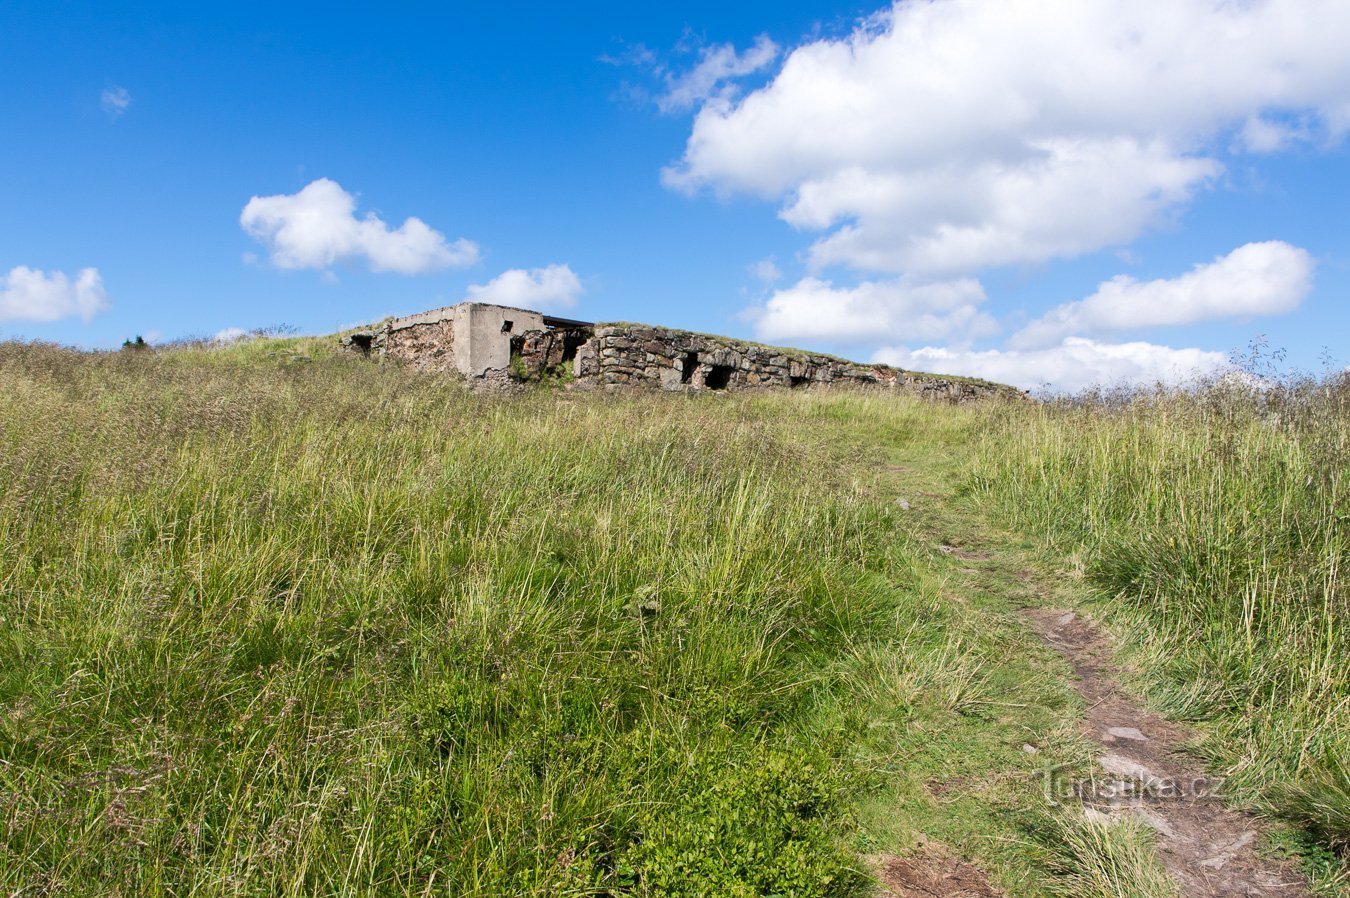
(1212, 526)
(275, 621)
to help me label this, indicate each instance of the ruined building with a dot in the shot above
(497, 346)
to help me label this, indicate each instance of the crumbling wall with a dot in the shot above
(511, 346)
(653, 357)
(548, 352)
(674, 360)
(428, 346)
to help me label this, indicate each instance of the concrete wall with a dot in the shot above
(483, 335)
(472, 339)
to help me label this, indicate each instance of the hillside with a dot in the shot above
(278, 621)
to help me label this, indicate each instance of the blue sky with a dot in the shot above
(1041, 192)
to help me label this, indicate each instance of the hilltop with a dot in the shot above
(277, 620)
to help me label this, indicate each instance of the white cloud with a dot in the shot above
(639, 55)
(1255, 279)
(951, 135)
(115, 101)
(552, 287)
(317, 228)
(814, 309)
(1269, 135)
(27, 294)
(766, 270)
(1075, 364)
(228, 335)
(717, 67)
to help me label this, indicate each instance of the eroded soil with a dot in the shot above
(931, 870)
(1210, 849)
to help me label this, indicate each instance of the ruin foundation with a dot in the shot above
(499, 347)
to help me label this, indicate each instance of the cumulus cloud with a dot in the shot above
(951, 135)
(552, 287)
(115, 101)
(1075, 364)
(815, 309)
(1268, 278)
(318, 228)
(27, 294)
(718, 67)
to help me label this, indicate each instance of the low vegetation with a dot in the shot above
(279, 622)
(1213, 525)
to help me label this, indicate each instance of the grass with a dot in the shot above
(276, 621)
(1212, 526)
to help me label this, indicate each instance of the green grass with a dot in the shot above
(1213, 527)
(279, 621)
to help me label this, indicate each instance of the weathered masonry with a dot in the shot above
(473, 338)
(496, 346)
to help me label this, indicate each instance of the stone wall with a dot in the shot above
(429, 346)
(675, 360)
(512, 345)
(625, 356)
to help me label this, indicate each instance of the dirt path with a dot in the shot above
(1208, 848)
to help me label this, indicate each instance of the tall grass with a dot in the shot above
(277, 623)
(1218, 520)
